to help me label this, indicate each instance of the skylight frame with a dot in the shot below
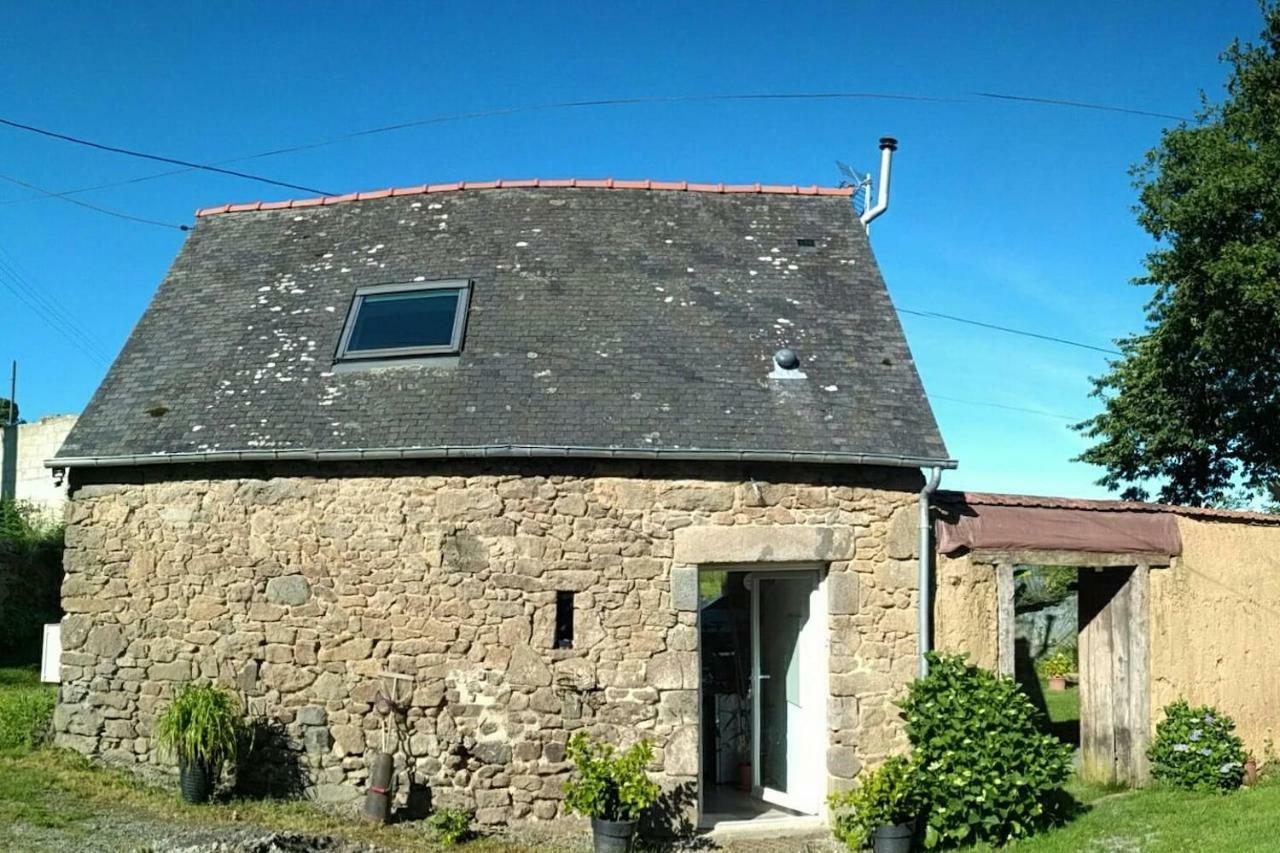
(454, 347)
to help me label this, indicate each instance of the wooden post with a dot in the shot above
(1006, 619)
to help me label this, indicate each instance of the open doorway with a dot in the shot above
(762, 642)
(1046, 645)
(1092, 632)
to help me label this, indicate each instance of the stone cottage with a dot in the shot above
(524, 457)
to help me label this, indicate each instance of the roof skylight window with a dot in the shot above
(400, 320)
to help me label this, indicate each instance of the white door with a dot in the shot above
(788, 671)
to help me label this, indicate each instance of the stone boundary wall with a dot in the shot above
(300, 584)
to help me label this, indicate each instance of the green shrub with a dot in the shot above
(30, 579)
(609, 785)
(451, 826)
(885, 796)
(1195, 748)
(987, 771)
(202, 724)
(26, 711)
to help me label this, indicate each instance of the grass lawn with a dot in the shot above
(56, 800)
(59, 790)
(52, 800)
(1166, 821)
(1063, 706)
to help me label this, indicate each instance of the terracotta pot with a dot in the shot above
(1250, 771)
(744, 776)
(1057, 683)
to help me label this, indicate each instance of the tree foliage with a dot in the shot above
(1194, 401)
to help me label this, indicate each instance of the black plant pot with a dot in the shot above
(612, 836)
(896, 838)
(196, 781)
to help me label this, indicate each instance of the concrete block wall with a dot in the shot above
(37, 441)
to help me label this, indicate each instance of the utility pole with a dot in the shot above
(9, 442)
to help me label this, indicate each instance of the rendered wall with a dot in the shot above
(301, 584)
(1214, 626)
(964, 612)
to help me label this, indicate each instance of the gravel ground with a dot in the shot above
(127, 832)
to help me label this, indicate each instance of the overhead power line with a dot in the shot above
(1083, 105)
(89, 206)
(13, 269)
(1042, 413)
(936, 315)
(159, 158)
(55, 323)
(216, 165)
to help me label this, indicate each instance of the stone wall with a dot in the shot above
(27, 477)
(300, 585)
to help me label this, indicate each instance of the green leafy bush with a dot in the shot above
(608, 784)
(30, 579)
(26, 710)
(451, 826)
(202, 725)
(1195, 748)
(987, 771)
(885, 796)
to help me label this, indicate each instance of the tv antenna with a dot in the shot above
(858, 182)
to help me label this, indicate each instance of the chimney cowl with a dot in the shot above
(888, 142)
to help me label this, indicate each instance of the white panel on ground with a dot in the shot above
(51, 654)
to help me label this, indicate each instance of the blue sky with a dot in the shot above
(1017, 214)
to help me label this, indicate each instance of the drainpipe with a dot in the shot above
(926, 544)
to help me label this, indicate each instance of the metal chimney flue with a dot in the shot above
(887, 146)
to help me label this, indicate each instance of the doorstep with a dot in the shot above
(800, 825)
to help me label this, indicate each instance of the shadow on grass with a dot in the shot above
(1065, 730)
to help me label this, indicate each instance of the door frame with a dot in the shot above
(820, 689)
(1132, 704)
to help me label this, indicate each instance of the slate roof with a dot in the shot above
(629, 319)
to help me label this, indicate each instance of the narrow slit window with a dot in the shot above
(397, 320)
(564, 620)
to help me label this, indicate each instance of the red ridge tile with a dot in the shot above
(551, 183)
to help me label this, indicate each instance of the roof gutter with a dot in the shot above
(497, 451)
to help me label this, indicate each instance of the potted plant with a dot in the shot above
(1056, 667)
(881, 811)
(610, 787)
(201, 726)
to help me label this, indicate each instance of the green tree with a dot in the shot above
(1194, 401)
